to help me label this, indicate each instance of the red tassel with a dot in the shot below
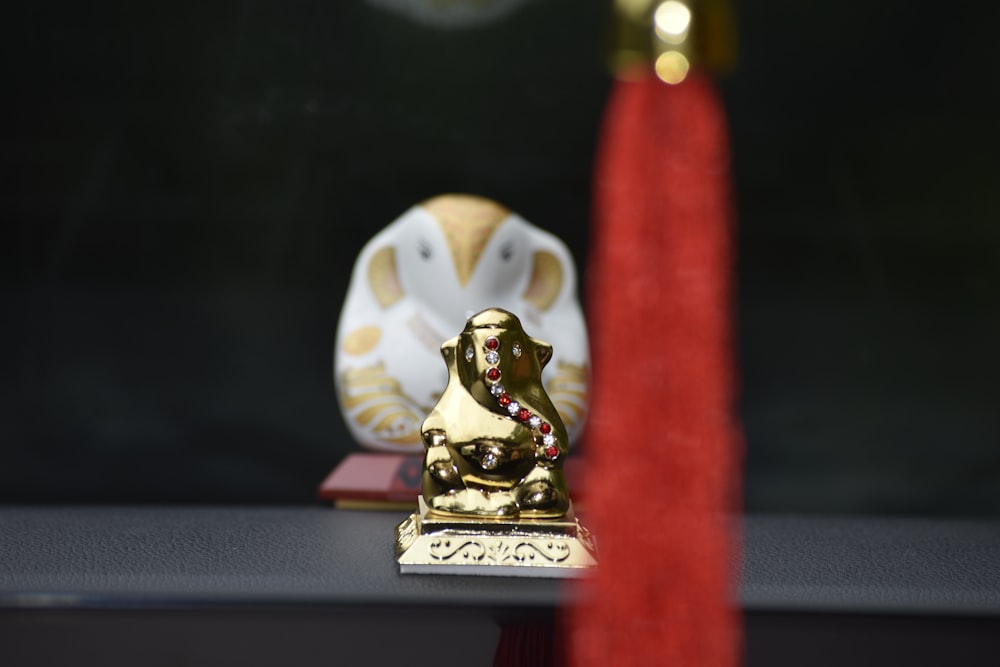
(662, 436)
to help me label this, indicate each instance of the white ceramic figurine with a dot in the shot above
(418, 281)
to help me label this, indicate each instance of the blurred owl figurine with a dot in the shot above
(423, 277)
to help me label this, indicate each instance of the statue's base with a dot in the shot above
(431, 543)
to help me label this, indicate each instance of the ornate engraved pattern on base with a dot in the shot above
(497, 550)
(406, 534)
(429, 544)
(587, 539)
(555, 552)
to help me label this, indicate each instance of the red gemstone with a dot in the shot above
(503, 399)
(492, 343)
(493, 374)
(552, 451)
(545, 428)
(524, 414)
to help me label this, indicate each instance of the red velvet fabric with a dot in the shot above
(662, 442)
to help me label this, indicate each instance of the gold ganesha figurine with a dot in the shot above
(495, 444)
(494, 500)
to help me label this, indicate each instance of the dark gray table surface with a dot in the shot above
(119, 557)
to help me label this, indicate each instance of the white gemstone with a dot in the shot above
(491, 357)
(469, 353)
(548, 439)
(490, 461)
(516, 349)
(535, 421)
(513, 407)
(496, 389)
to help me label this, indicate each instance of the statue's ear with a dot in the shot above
(448, 348)
(383, 277)
(543, 351)
(546, 280)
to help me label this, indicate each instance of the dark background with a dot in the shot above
(186, 185)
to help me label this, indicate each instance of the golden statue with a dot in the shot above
(494, 496)
(495, 443)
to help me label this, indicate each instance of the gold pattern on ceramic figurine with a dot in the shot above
(494, 497)
(417, 281)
